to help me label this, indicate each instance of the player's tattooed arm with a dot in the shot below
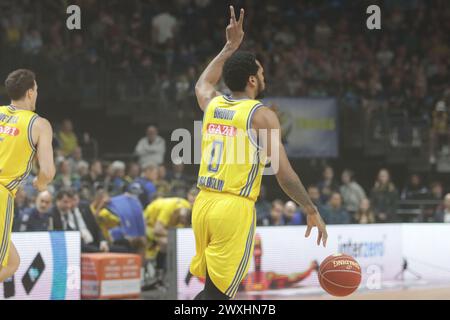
(43, 136)
(205, 88)
(288, 180)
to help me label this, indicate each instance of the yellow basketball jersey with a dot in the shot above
(162, 209)
(16, 146)
(231, 159)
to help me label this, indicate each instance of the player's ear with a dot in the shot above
(253, 81)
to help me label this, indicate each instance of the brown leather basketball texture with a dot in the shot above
(340, 275)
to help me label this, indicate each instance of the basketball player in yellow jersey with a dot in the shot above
(23, 135)
(223, 215)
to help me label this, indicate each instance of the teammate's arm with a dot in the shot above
(288, 180)
(43, 136)
(205, 88)
(160, 229)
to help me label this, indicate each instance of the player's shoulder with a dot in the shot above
(218, 99)
(265, 117)
(42, 123)
(263, 111)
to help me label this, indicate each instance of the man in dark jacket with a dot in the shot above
(60, 215)
(91, 236)
(69, 215)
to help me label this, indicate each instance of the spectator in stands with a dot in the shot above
(151, 149)
(415, 189)
(37, 218)
(440, 132)
(163, 26)
(436, 191)
(85, 190)
(67, 139)
(440, 80)
(91, 236)
(327, 185)
(443, 215)
(61, 218)
(334, 213)
(12, 30)
(147, 182)
(178, 180)
(133, 172)
(109, 175)
(352, 193)
(65, 178)
(384, 198)
(89, 147)
(162, 185)
(76, 158)
(314, 194)
(118, 182)
(365, 214)
(82, 170)
(95, 176)
(32, 41)
(436, 195)
(276, 214)
(262, 207)
(291, 215)
(21, 203)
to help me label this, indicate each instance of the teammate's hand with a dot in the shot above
(315, 220)
(39, 186)
(235, 32)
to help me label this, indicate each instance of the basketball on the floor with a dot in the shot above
(340, 275)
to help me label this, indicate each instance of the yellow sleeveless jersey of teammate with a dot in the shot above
(162, 210)
(16, 146)
(231, 159)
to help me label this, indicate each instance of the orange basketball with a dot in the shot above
(339, 275)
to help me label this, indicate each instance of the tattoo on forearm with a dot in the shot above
(294, 188)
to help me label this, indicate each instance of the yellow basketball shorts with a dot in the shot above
(224, 227)
(6, 221)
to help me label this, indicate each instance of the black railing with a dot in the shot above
(417, 210)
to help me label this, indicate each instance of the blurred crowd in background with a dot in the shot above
(148, 50)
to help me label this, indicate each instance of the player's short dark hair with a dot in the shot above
(19, 82)
(238, 68)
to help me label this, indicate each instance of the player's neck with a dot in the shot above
(242, 95)
(22, 105)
